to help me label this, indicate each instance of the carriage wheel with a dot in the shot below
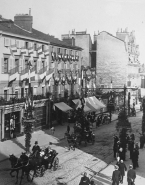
(55, 163)
(42, 170)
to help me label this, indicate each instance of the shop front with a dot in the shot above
(11, 114)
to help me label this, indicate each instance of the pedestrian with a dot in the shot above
(68, 128)
(122, 169)
(116, 139)
(136, 155)
(121, 154)
(116, 176)
(134, 158)
(131, 175)
(141, 141)
(52, 130)
(131, 147)
(85, 180)
(12, 127)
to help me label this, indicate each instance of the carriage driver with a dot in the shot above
(36, 147)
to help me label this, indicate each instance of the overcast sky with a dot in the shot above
(58, 17)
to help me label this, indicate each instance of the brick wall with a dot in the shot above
(111, 60)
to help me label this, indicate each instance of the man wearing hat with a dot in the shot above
(36, 148)
(131, 175)
(122, 169)
(116, 176)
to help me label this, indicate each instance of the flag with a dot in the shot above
(49, 84)
(30, 50)
(82, 80)
(30, 94)
(39, 50)
(46, 52)
(49, 74)
(43, 75)
(13, 48)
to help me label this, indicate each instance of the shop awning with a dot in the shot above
(78, 103)
(91, 102)
(62, 106)
(97, 102)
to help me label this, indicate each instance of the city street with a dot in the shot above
(92, 159)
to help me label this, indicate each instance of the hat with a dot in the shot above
(130, 166)
(121, 161)
(118, 158)
(36, 142)
(121, 149)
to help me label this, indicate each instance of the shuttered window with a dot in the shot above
(6, 42)
(2, 65)
(5, 65)
(17, 43)
(10, 64)
(20, 65)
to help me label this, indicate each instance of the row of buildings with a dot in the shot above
(58, 67)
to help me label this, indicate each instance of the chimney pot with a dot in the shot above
(29, 11)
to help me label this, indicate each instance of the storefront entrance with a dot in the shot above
(16, 116)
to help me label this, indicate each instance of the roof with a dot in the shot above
(8, 26)
(110, 35)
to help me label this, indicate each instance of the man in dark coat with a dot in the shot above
(122, 169)
(131, 147)
(36, 148)
(85, 180)
(116, 176)
(131, 175)
(135, 158)
(115, 146)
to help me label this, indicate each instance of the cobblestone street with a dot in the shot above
(93, 158)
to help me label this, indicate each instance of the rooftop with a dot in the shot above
(8, 26)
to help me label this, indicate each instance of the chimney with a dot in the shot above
(24, 21)
(30, 11)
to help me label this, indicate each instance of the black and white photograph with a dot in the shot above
(72, 92)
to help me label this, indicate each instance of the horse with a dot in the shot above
(15, 166)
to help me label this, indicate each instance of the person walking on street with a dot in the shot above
(131, 175)
(85, 180)
(116, 176)
(122, 169)
(68, 128)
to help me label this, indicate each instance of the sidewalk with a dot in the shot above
(17, 146)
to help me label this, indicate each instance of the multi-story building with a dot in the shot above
(116, 61)
(83, 40)
(55, 69)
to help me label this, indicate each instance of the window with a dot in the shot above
(16, 94)
(35, 47)
(26, 45)
(5, 65)
(16, 62)
(65, 51)
(26, 64)
(58, 50)
(35, 64)
(22, 92)
(70, 52)
(5, 94)
(26, 92)
(43, 48)
(43, 92)
(52, 49)
(43, 63)
(76, 53)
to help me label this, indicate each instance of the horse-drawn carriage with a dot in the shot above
(80, 135)
(34, 165)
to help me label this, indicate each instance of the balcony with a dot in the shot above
(14, 70)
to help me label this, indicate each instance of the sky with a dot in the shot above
(58, 17)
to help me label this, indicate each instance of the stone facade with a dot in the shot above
(83, 40)
(112, 59)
